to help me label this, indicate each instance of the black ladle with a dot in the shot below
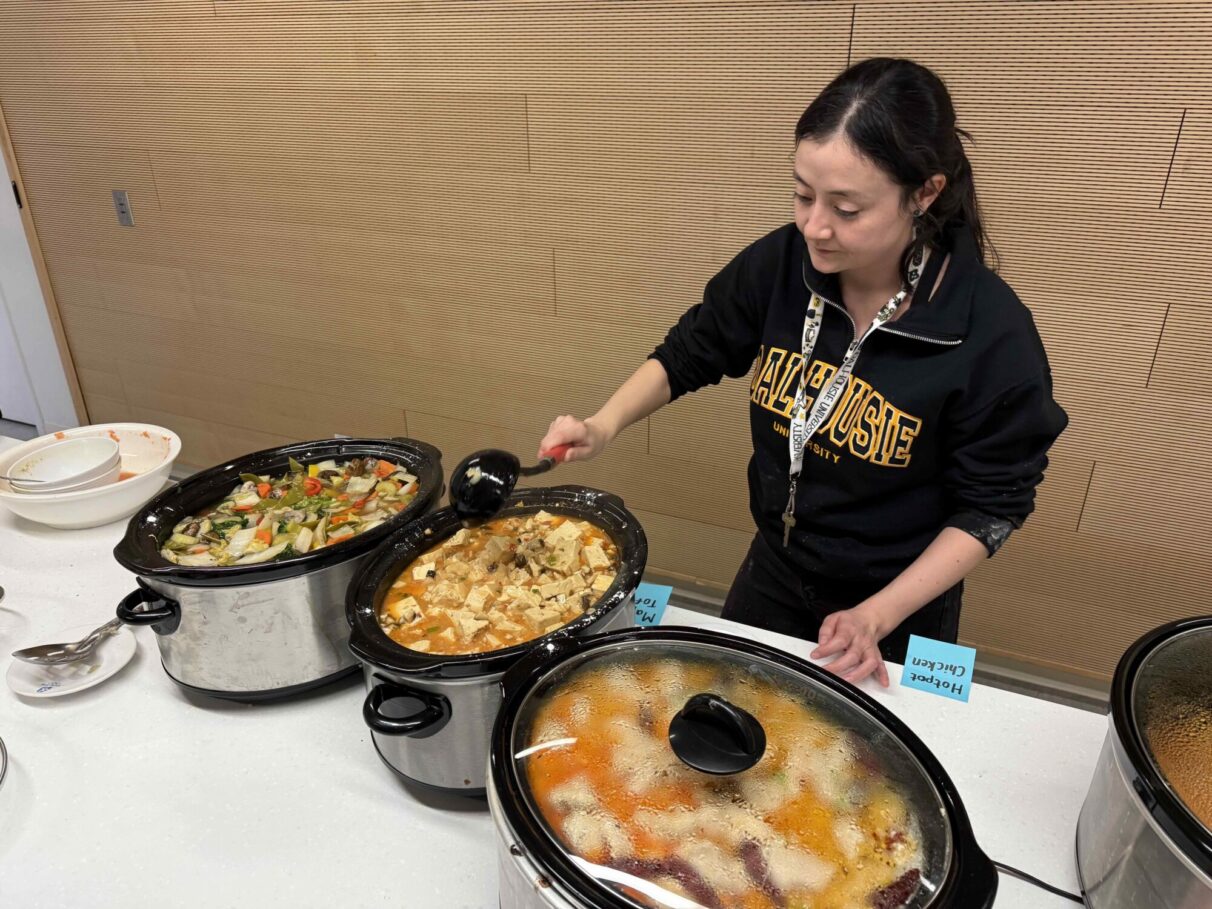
(715, 736)
(483, 480)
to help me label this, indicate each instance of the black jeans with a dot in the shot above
(770, 594)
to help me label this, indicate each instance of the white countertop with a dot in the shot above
(135, 794)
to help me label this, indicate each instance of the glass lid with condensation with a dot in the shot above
(1172, 706)
(682, 774)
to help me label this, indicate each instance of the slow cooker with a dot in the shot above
(681, 768)
(431, 715)
(259, 631)
(1144, 836)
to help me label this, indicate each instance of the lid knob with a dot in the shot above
(714, 736)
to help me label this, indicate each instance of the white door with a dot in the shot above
(33, 384)
(16, 395)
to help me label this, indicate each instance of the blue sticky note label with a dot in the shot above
(939, 667)
(650, 603)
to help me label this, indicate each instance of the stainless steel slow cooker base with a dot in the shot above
(1123, 860)
(471, 792)
(521, 885)
(273, 694)
(452, 759)
(255, 640)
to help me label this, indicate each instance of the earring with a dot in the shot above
(917, 213)
(917, 224)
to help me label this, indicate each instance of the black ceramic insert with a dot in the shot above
(374, 579)
(139, 550)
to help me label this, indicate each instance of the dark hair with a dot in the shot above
(899, 114)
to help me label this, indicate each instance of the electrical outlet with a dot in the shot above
(122, 206)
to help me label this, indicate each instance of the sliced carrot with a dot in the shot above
(265, 534)
(385, 469)
(338, 519)
(263, 490)
(243, 507)
(344, 497)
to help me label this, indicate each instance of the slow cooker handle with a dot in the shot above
(160, 612)
(425, 722)
(975, 887)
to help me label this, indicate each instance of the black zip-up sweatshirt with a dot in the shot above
(946, 420)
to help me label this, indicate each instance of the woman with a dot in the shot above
(911, 445)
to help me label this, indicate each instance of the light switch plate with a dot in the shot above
(122, 206)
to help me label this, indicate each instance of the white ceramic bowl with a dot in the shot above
(147, 455)
(67, 465)
(111, 475)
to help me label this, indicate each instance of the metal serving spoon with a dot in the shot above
(483, 479)
(54, 654)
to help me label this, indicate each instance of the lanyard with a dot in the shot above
(804, 424)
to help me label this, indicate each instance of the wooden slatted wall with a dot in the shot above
(458, 219)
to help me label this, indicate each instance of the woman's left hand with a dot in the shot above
(852, 636)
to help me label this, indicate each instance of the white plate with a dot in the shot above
(33, 681)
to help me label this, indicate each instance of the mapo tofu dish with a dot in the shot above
(500, 584)
(270, 518)
(815, 824)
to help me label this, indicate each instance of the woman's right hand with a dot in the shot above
(586, 438)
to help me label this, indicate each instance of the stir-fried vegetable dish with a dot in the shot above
(268, 518)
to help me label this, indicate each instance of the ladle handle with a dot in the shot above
(549, 460)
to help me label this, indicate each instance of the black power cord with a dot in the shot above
(1024, 876)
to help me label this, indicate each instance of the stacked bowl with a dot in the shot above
(88, 476)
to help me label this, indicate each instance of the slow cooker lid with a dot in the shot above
(684, 773)
(1171, 704)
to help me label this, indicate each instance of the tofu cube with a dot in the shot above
(602, 582)
(478, 599)
(405, 610)
(595, 556)
(565, 556)
(569, 530)
(458, 539)
(494, 547)
(511, 593)
(572, 609)
(420, 645)
(467, 624)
